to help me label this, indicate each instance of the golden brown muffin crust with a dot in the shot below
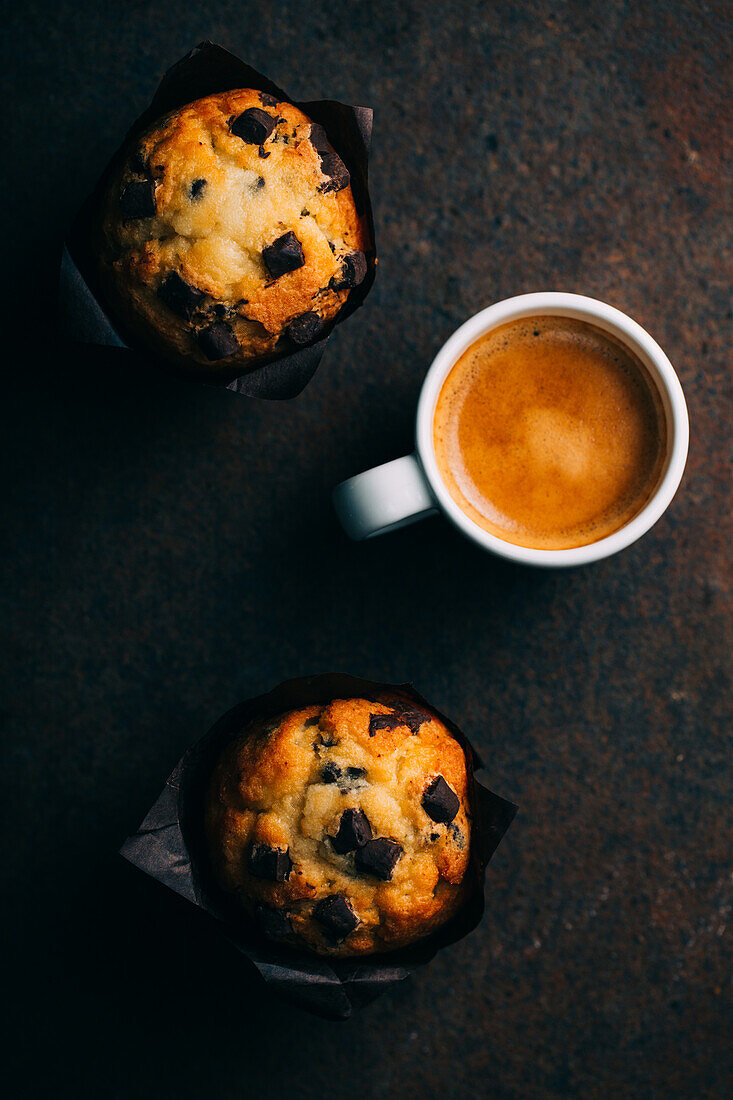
(286, 798)
(189, 218)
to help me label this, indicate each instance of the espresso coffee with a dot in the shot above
(549, 433)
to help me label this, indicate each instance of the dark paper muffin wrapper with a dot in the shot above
(205, 70)
(170, 846)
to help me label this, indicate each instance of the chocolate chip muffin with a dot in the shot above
(230, 234)
(343, 828)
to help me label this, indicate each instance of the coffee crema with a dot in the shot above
(549, 433)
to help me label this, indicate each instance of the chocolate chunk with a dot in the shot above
(270, 863)
(138, 200)
(325, 741)
(319, 141)
(283, 255)
(273, 922)
(263, 152)
(354, 831)
(348, 779)
(383, 722)
(253, 126)
(331, 163)
(197, 188)
(217, 341)
(353, 271)
(435, 836)
(312, 721)
(304, 328)
(336, 916)
(179, 295)
(333, 166)
(258, 184)
(440, 801)
(379, 857)
(414, 720)
(267, 100)
(411, 716)
(404, 715)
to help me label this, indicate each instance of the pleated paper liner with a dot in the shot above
(85, 316)
(170, 846)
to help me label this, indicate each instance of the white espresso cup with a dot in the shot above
(411, 488)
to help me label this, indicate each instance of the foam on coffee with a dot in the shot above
(549, 433)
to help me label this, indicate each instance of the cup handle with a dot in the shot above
(383, 499)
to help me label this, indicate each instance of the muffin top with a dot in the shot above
(344, 828)
(230, 233)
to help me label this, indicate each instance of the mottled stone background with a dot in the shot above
(172, 550)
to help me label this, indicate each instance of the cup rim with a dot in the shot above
(609, 319)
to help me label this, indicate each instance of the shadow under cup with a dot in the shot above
(536, 408)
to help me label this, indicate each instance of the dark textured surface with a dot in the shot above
(172, 550)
